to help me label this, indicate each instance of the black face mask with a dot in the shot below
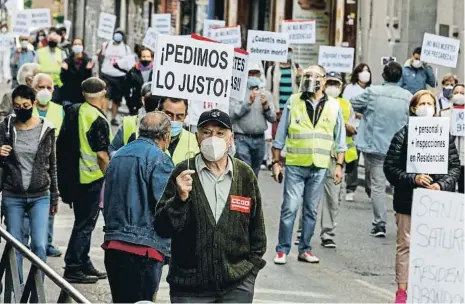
(52, 44)
(23, 115)
(145, 62)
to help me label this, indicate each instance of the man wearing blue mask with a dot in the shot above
(249, 118)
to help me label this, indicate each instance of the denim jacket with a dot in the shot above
(385, 111)
(134, 182)
(415, 80)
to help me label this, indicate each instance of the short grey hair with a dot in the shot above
(39, 77)
(27, 71)
(155, 125)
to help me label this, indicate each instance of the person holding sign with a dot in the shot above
(384, 110)
(250, 117)
(423, 104)
(138, 75)
(458, 101)
(416, 74)
(312, 128)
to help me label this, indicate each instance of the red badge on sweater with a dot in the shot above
(239, 203)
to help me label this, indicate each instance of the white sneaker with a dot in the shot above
(350, 196)
(262, 167)
(280, 258)
(308, 257)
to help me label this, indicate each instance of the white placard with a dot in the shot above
(106, 26)
(40, 18)
(268, 46)
(239, 74)
(196, 108)
(192, 69)
(162, 23)
(150, 39)
(440, 50)
(21, 23)
(336, 59)
(300, 31)
(227, 35)
(11, 6)
(428, 145)
(436, 267)
(457, 125)
(209, 24)
(67, 24)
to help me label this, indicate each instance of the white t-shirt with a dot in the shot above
(112, 53)
(352, 90)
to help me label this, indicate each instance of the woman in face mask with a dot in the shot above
(458, 101)
(448, 82)
(359, 81)
(422, 104)
(138, 75)
(74, 70)
(29, 183)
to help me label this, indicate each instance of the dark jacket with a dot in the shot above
(134, 82)
(209, 258)
(134, 182)
(72, 79)
(44, 172)
(395, 166)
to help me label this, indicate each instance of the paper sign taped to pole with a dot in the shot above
(336, 59)
(209, 24)
(162, 23)
(150, 39)
(300, 31)
(192, 69)
(40, 18)
(428, 145)
(268, 46)
(21, 23)
(106, 26)
(440, 50)
(227, 35)
(457, 124)
(436, 259)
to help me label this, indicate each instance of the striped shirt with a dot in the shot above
(285, 86)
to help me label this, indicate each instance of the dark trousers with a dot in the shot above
(86, 211)
(132, 277)
(241, 294)
(461, 180)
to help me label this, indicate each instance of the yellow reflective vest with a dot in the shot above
(47, 66)
(351, 153)
(182, 152)
(89, 170)
(307, 144)
(54, 115)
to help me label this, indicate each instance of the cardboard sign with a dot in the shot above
(192, 69)
(21, 23)
(67, 24)
(440, 50)
(196, 108)
(239, 203)
(40, 18)
(268, 46)
(428, 145)
(106, 26)
(300, 31)
(150, 39)
(457, 125)
(436, 267)
(209, 24)
(227, 35)
(336, 59)
(162, 23)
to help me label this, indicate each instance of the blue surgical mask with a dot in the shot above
(447, 91)
(118, 37)
(253, 82)
(176, 128)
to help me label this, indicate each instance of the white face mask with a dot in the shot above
(4, 30)
(24, 44)
(425, 111)
(417, 64)
(213, 148)
(333, 91)
(44, 96)
(364, 76)
(458, 99)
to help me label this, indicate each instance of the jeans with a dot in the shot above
(86, 211)
(330, 201)
(38, 209)
(132, 278)
(27, 231)
(250, 150)
(306, 182)
(377, 182)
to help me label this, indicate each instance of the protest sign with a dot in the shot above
(209, 24)
(457, 125)
(106, 26)
(40, 18)
(192, 69)
(428, 145)
(150, 39)
(336, 59)
(227, 35)
(196, 108)
(436, 267)
(67, 24)
(162, 23)
(440, 50)
(300, 31)
(268, 46)
(21, 23)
